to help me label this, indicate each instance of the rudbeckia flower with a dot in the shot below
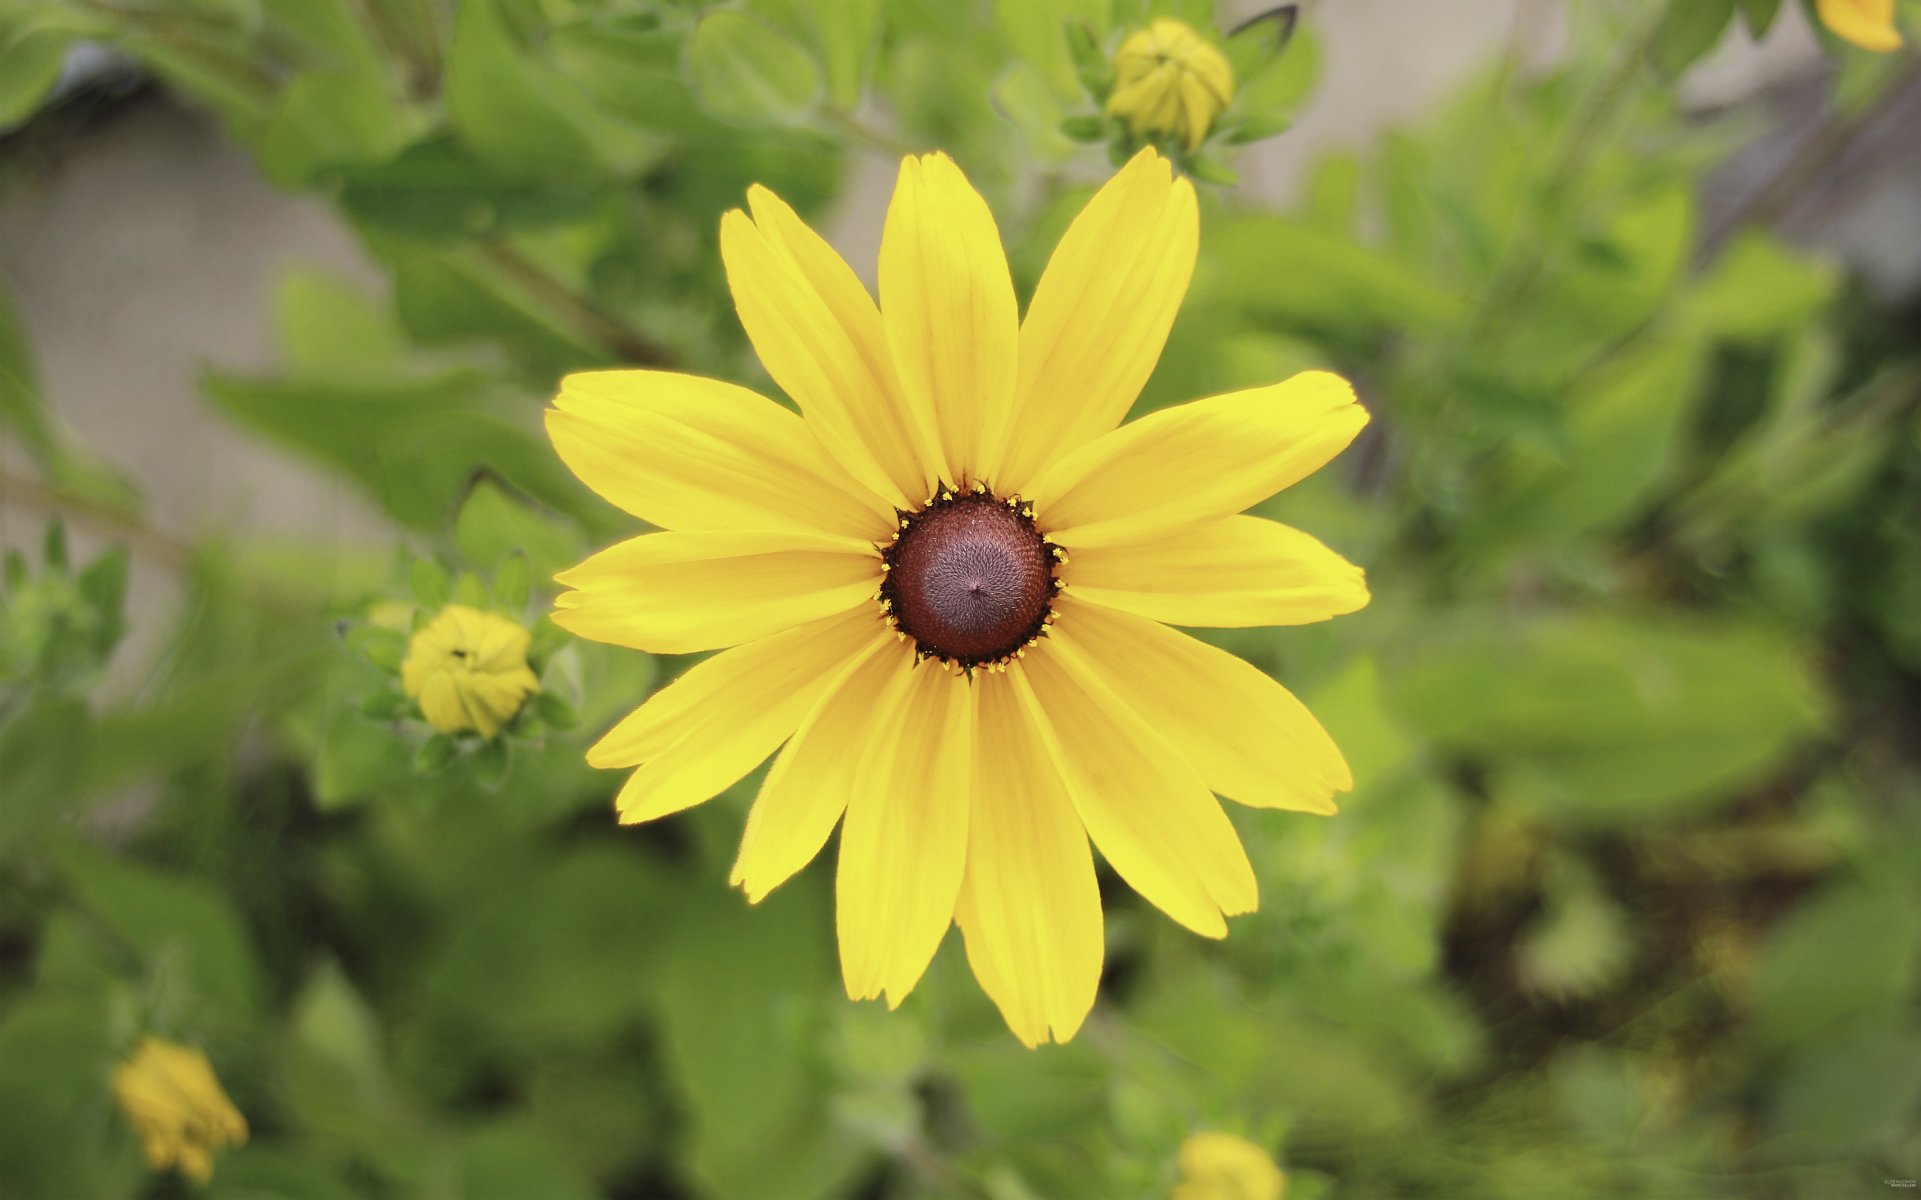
(1869, 24)
(174, 1102)
(468, 670)
(1169, 79)
(1221, 1166)
(942, 590)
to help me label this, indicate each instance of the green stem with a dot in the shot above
(597, 326)
(1521, 269)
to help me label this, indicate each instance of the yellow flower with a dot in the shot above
(175, 1104)
(1169, 79)
(468, 669)
(1220, 1166)
(1869, 24)
(944, 583)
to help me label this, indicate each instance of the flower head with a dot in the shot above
(1869, 24)
(1220, 1166)
(178, 1108)
(468, 670)
(1169, 79)
(939, 589)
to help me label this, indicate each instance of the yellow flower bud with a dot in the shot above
(1169, 79)
(1220, 1166)
(1869, 24)
(468, 669)
(175, 1104)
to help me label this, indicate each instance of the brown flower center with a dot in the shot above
(970, 578)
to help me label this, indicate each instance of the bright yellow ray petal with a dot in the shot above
(948, 304)
(1100, 316)
(1206, 459)
(681, 592)
(1869, 24)
(1233, 572)
(819, 335)
(904, 842)
(697, 736)
(808, 785)
(1146, 808)
(1249, 738)
(688, 453)
(1029, 907)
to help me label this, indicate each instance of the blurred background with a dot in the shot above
(1625, 902)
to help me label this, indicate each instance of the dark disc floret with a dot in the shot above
(970, 578)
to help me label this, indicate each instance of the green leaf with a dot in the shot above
(1306, 277)
(1092, 67)
(509, 1158)
(470, 591)
(384, 648)
(22, 408)
(556, 710)
(30, 62)
(1621, 432)
(494, 525)
(54, 548)
(491, 762)
(1688, 30)
(514, 584)
(1760, 15)
(329, 324)
(1758, 288)
(432, 586)
(185, 932)
(441, 191)
(43, 751)
(1278, 90)
(848, 32)
(747, 72)
(1085, 128)
(375, 431)
(325, 121)
(1258, 42)
(743, 992)
(1847, 1094)
(1039, 31)
(1604, 721)
(434, 754)
(61, 1136)
(526, 117)
(1846, 953)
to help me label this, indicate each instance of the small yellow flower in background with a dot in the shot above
(468, 669)
(1869, 24)
(1220, 1166)
(178, 1108)
(944, 590)
(1170, 79)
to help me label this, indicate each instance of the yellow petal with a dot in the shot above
(1249, 738)
(1869, 24)
(1101, 314)
(1207, 459)
(904, 843)
(820, 336)
(808, 785)
(1147, 810)
(700, 734)
(948, 304)
(1029, 906)
(1233, 572)
(681, 592)
(683, 452)
(441, 704)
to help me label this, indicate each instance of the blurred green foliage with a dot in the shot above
(1625, 902)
